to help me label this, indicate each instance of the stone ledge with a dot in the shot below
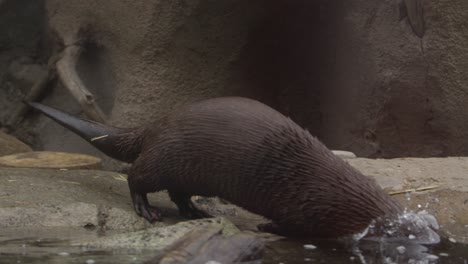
(54, 198)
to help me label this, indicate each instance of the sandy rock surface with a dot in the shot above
(98, 199)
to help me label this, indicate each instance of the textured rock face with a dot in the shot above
(407, 91)
(159, 54)
(355, 73)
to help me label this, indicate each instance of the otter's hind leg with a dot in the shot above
(141, 181)
(186, 207)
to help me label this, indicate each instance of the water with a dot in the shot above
(53, 246)
(370, 252)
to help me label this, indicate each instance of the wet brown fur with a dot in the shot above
(245, 152)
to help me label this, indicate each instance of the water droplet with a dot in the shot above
(401, 249)
(310, 247)
(451, 239)
(90, 261)
(408, 196)
(442, 254)
(213, 262)
(431, 257)
(411, 236)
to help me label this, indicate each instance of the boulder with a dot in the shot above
(10, 145)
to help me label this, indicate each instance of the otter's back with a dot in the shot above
(218, 145)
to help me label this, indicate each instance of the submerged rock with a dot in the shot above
(208, 245)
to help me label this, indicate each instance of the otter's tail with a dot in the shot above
(118, 143)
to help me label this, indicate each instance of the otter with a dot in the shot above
(245, 152)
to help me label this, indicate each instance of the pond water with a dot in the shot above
(286, 251)
(53, 246)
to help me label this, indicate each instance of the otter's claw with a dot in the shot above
(143, 209)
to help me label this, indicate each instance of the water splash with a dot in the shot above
(418, 228)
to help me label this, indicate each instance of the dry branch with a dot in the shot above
(427, 188)
(66, 69)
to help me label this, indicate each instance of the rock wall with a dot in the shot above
(361, 74)
(403, 95)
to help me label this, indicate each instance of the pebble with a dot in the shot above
(344, 154)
